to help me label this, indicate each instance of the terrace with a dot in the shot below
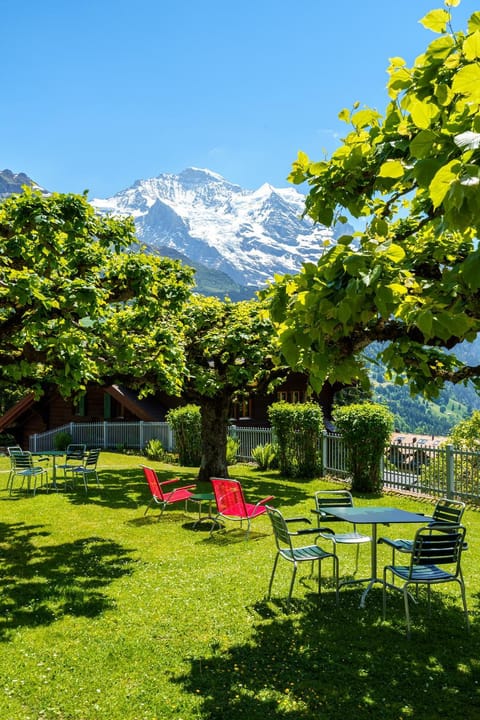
(107, 613)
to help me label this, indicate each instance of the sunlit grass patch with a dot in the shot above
(107, 613)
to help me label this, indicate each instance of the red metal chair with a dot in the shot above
(162, 497)
(231, 503)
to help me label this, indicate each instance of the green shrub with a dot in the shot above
(297, 429)
(61, 440)
(6, 439)
(154, 449)
(265, 456)
(232, 450)
(366, 429)
(186, 425)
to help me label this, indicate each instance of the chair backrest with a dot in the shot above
(438, 545)
(448, 511)
(153, 482)
(92, 457)
(280, 528)
(14, 449)
(75, 451)
(229, 497)
(332, 498)
(22, 460)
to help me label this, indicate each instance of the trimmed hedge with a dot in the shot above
(297, 428)
(366, 429)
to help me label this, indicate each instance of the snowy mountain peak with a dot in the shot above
(249, 235)
(200, 175)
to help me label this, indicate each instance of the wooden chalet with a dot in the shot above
(119, 404)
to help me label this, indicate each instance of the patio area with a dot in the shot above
(108, 613)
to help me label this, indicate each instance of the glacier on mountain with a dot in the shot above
(249, 235)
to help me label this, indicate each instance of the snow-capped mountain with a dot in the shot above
(249, 235)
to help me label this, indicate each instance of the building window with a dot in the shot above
(298, 396)
(81, 405)
(107, 406)
(291, 396)
(241, 410)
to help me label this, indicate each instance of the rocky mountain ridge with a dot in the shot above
(11, 182)
(248, 235)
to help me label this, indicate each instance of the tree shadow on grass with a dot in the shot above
(324, 662)
(271, 483)
(119, 489)
(235, 535)
(41, 583)
(124, 488)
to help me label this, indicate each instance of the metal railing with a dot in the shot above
(109, 435)
(420, 468)
(248, 439)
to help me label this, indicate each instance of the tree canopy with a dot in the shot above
(228, 356)
(79, 304)
(411, 278)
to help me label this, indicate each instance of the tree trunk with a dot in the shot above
(214, 415)
(326, 398)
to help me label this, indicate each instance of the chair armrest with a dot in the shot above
(399, 544)
(308, 531)
(174, 480)
(266, 499)
(299, 519)
(387, 541)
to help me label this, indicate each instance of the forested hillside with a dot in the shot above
(414, 414)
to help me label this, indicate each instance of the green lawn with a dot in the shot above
(109, 614)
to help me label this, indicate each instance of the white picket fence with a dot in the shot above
(422, 469)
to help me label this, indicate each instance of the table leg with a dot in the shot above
(204, 517)
(374, 579)
(54, 473)
(373, 562)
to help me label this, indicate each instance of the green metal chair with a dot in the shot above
(296, 555)
(12, 450)
(337, 498)
(445, 512)
(88, 467)
(74, 455)
(23, 466)
(435, 558)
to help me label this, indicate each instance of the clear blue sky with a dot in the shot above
(99, 93)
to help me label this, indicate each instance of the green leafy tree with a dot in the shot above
(466, 435)
(79, 305)
(229, 356)
(411, 279)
